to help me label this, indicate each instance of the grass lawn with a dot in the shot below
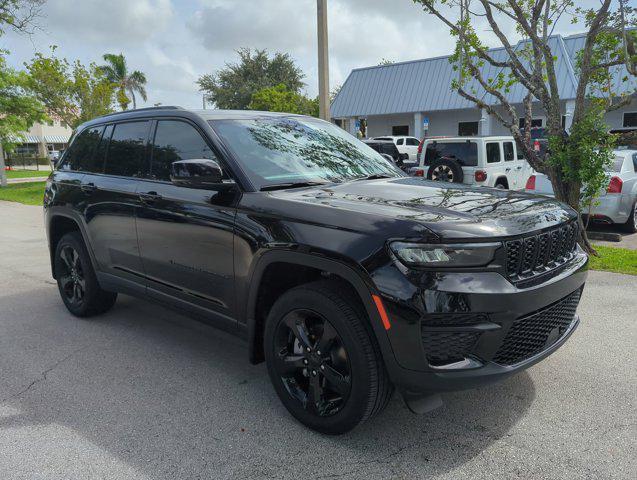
(29, 193)
(27, 173)
(613, 259)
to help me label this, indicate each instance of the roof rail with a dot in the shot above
(166, 107)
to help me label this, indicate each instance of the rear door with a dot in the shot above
(494, 164)
(110, 186)
(513, 167)
(411, 147)
(185, 234)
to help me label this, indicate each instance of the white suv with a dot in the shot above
(481, 161)
(405, 144)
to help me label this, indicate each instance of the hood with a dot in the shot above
(448, 210)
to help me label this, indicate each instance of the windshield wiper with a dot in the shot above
(375, 176)
(283, 186)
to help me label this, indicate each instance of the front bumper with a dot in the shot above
(455, 331)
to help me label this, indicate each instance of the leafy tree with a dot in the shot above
(233, 86)
(72, 92)
(280, 99)
(18, 109)
(116, 71)
(577, 159)
(19, 15)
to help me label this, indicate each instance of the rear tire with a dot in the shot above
(631, 224)
(77, 283)
(323, 359)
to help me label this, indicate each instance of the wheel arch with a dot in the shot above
(502, 180)
(59, 224)
(255, 321)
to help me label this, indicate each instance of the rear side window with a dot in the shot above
(175, 141)
(412, 142)
(465, 153)
(389, 149)
(126, 149)
(80, 153)
(508, 151)
(493, 153)
(97, 164)
(401, 141)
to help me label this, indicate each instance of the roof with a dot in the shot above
(176, 111)
(425, 85)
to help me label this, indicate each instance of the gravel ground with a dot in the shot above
(144, 393)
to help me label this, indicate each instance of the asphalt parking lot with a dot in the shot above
(143, 393)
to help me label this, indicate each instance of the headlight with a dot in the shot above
(449, 255)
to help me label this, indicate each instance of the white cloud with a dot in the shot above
(174, 42)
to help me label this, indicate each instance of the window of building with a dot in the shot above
(126, 149)
(493, 152)
(400, 130)
(176, 141)
(508, 151)
(630, 120)
(80, 153)
(467, 129)
(535, 122)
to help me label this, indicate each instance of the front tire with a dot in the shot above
(76, 279)
(323, 360)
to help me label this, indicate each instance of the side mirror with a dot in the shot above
(197, 173)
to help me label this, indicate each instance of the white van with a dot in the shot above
(482, 161)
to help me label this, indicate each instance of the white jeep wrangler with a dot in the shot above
(482, 161)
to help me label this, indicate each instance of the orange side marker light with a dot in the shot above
(381, 311)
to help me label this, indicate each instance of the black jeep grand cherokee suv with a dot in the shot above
(347, 277)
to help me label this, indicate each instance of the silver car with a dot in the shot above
(618, 202)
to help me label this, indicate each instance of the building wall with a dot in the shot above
(445, 123)
(379, 125)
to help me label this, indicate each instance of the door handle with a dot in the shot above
(88, 187)
(508, 169)
(149, 197)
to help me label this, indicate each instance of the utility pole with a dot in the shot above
(3, 174)
(323, 61)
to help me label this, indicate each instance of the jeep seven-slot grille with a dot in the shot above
(536, 254)
(530, 335)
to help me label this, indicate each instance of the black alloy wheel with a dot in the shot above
(323, 359)
(77, 282)
(312, 362)
(72, 281)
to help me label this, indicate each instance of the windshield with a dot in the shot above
(283, 150)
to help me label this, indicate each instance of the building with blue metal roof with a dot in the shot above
(415, 98)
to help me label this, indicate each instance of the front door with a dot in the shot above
(185, 234)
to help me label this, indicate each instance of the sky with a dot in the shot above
(174, 42)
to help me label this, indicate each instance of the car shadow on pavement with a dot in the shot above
(170, 397)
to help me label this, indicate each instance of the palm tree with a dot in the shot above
(116, 71)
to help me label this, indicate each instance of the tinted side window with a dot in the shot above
(175, 141)
(81, 150)
(401, 141)
(126, 149)
(508, 151)
(96, 163)
(493, 153)
(465, 153)
(413, 142)
(635, 161)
